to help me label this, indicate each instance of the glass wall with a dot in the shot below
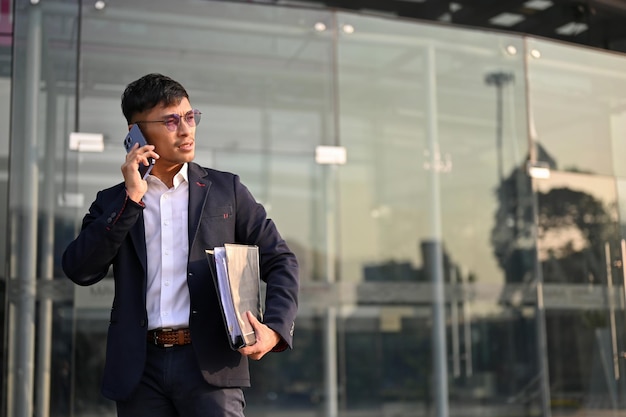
(39, 342)
(433, 119)
(438, 277)
(262, 78)
(577, 100)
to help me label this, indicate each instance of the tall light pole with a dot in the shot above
(499, 80)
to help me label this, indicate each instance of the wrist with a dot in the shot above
(134, 196)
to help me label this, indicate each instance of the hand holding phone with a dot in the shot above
(135, 136)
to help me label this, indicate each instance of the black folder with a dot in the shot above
(235, 271)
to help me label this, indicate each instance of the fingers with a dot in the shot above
(266, 339)
(135, 157)
(254, 322)
(141, 155)
(136, 186)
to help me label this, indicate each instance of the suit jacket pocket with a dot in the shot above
(219, 213)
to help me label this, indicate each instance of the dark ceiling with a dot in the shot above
(597, 23)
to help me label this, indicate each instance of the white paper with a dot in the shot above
(224, 288)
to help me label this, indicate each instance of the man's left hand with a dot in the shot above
(266, 339)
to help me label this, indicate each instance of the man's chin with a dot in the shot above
(187, 157)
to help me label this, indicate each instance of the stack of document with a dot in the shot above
(235, 270)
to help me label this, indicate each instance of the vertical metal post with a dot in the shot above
(612, 321)
(330, 318)
(455, 326)
(540, 318)
(330, 208)
(439, 348)
(330, 374)
(26, 274)
(542, 347)
(623, 259)
(467, 325)
(46, 258)
(610, 292)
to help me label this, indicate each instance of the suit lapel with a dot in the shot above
(199, 185)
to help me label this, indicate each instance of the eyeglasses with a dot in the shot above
(172, 121)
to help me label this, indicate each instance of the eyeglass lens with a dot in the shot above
(192, 118)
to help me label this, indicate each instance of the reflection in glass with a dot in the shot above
(578, 245)
(577, 99)
(275, 82)
(480, 157)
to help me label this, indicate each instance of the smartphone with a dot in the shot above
(135, 136)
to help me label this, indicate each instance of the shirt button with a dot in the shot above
(167, 283)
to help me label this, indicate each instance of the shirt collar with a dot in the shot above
(181, 176)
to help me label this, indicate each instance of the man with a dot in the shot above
(168, 353)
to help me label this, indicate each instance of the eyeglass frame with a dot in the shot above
(174, 120)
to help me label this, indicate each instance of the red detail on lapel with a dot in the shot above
(225, 215)
(199, 184)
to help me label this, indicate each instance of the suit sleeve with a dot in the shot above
(278, 264)
(87, 259)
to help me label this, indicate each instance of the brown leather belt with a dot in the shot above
(169, 337)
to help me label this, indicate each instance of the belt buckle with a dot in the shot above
(156, 338)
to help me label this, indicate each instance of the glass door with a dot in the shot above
(580, 261)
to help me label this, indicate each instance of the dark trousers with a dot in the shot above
(172, 386)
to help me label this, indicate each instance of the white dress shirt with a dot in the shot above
(165, 220)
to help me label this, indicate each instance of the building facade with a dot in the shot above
(456, 199)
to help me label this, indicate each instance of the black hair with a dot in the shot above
(150, 91)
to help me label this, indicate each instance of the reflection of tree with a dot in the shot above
(512, 237)
(572, 230)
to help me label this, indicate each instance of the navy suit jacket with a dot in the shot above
(221, 210)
